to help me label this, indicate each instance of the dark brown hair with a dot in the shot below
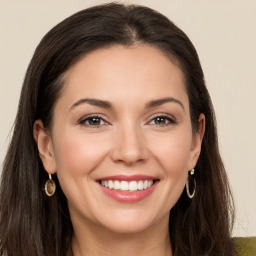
(32, 224)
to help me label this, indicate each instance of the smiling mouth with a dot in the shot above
(127, 186)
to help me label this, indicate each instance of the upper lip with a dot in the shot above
(128, 177)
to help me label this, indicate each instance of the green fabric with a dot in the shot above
(245, 246)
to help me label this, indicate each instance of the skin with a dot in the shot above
(127, 140)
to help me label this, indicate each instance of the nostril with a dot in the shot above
(129, 147)
(129, 157)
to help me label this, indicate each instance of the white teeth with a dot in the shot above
(133, 186)
(110, 184)
(116, 184)
(104, 183)
(127, 186)
(145, 184)
(124, 185)
(140, 185)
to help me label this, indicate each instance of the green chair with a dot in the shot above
(245, 246)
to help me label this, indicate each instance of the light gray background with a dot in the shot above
(223, 32)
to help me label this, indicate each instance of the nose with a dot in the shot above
(129, 145)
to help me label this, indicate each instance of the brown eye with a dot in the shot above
(92, 121)
(162, 121)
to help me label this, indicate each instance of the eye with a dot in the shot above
(92, 121)
(162, 121)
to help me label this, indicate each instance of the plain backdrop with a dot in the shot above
(224, 34)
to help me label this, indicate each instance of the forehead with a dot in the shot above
(139, 71)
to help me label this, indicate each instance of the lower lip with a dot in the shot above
(129, 197)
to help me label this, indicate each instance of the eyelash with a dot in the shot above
(89, 118)
(169, 120)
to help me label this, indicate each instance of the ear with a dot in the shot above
(197, 142)
(45, 146)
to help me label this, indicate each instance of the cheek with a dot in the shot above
(173, 153)
(77, 154)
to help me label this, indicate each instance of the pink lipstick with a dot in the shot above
(128, 188)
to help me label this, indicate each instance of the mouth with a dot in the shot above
(123, 185)
(128, 188)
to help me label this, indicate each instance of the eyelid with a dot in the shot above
(162, 115)
(171, 118)
(82, 120)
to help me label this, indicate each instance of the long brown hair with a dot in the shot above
(31, 224)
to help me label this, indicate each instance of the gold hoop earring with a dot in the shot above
(187, 185)
(50, 186)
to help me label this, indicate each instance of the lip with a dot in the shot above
(129, 197)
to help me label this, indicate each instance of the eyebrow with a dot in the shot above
(93, 102)
(107, 104)
(159, 102)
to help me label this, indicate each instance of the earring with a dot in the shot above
(50, 186)
(187, 185)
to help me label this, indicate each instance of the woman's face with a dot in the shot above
(121, 142)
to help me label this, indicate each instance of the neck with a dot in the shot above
(98, 241)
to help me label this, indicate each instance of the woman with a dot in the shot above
(114, 150)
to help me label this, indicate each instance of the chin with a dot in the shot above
(127, 228)
(129, 222)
